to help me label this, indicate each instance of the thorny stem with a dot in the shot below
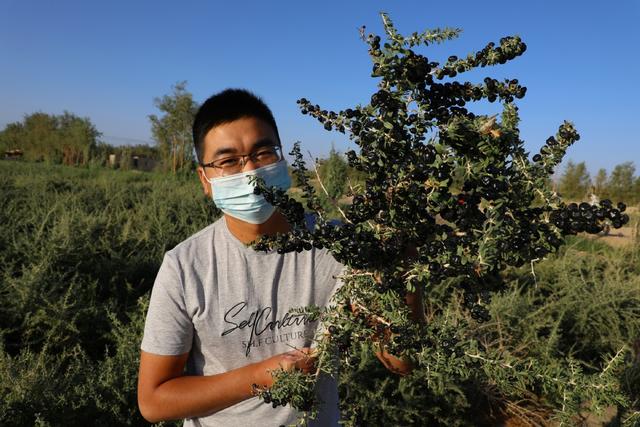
(368, 312)
(495, 362)
(533, 272)
(613, 359)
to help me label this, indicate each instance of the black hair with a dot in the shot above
(225, 107)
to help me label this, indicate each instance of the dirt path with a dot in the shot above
(617, 238)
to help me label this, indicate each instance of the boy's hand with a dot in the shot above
(302, 359)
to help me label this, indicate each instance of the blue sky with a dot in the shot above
(108, 60)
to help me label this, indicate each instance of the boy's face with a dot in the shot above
(239, 137)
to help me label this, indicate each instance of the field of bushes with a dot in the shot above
(80, 248)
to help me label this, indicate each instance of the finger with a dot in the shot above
(299, 353)
(307, 364)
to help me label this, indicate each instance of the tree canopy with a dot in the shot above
(64, 138)
(575, 182)
(172, 130)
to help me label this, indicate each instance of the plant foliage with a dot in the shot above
(79, 250)
(411, 233)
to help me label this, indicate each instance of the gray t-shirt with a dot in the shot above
(229, 306)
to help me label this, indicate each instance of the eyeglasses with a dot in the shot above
(234, 164)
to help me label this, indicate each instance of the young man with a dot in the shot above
(220, 309)
(219, 320)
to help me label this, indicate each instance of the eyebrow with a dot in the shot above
(264, 142)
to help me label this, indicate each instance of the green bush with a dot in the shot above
(79, 251)
(80, 248)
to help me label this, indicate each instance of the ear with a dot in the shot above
(206, 187)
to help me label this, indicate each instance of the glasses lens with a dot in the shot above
(262, 157)
(265, 156)
(229, 165)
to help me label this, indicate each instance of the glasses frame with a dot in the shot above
(243, 158)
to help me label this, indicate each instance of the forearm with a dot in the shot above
(193, 396)
(393, 363)
(165, 394)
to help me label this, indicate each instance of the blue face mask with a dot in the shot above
(234, 196)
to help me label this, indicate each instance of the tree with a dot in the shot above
(11, 136)
(64, 138)
(410, 235)
(333, 172)
(41, 139)
(78, 138)
(621, 182)
(600, 184)
(636, 191)
(575, 182)
(172, 130)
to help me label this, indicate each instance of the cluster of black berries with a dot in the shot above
(305, 402)
(353, 160)
(328, 118)
(553, 150)
(458, 94)
(449, 346)
(476, 303)
(421, 168)
(404, 200)
(340, 337)
(510, 47)
(444, 100)
(575, 218)
(363, 208)
(267, 397)
(407, 337)
(464, 212)
(298, 240)
(410, 71)
(390, 282)
(373, 161)
(293, 243)
(505, 91)
(384, 101)
(492, 188)
(416, 68)
(374, 42)
(441, 256)
(361, 249)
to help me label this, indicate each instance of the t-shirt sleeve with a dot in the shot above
(168, 329)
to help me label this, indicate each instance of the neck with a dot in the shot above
(247, 233)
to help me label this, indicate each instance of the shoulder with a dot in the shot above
(196, 245)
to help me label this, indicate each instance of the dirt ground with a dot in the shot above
(617, 238)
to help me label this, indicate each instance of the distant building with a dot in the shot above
(143, 163)
(132, 161)
(13, 154)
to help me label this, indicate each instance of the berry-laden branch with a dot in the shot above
(414, 134)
